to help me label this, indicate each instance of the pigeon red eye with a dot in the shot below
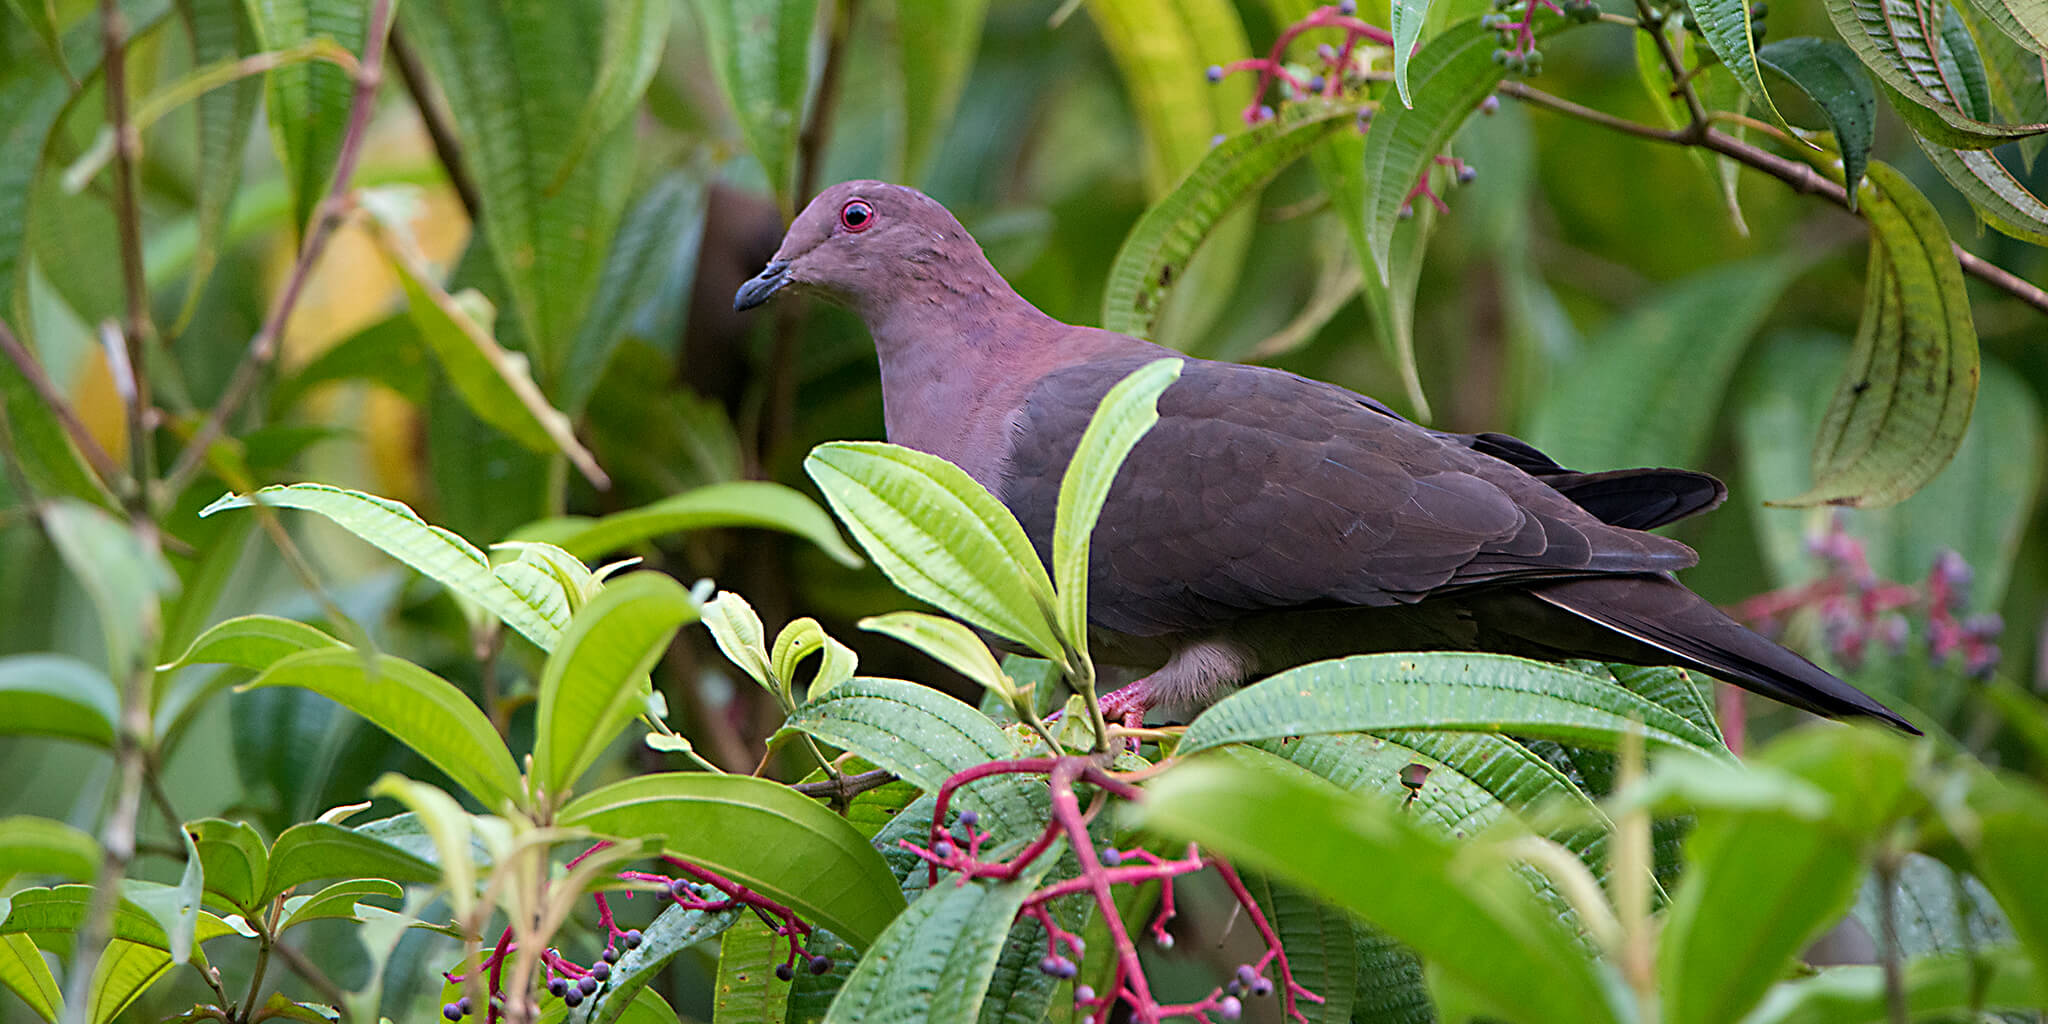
(856, 215)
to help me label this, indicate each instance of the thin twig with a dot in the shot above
(1802, 178)
(263, 347)
(24, 361)
(846, 787)
(311, 973)
(413, 73)
(1653, 23)
(128, 225)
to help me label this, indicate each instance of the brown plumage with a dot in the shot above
(1268, 519)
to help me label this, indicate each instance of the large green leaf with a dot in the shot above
(1123, 417)
(24, 972)
(1896, 40)
(1322, 946)
(518, 76)
(122, 575)
(1340, 167)
(235, 860)
(1160, 47)
(2010, 821)
(1900, 412)
(57, 695)
(1441, 691)
(934, 962)
(954, 645)
(925, 737)
(2023, 22)
(2013, 74)
(1645, 390)
(634, 33)
(596, 681)
(220, 30)
(747, 989)
(1367, 856)
(2000, 199)
(402, 534)
(418, 708)
(1761, 884)
(940, 536)
(1827, 72)
(755, 503)
(1725, 24)
(317, 849)
(1946, 987)
(759, 833)
(308, 103)
(936, 42)
(1156, 252)
(45, 847)
(252, 642)
(761, 56)
(652, 261)
(671, 932)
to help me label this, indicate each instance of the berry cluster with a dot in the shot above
(1338, 67)
(692, 888)
(1515, 20)
(958, 850)
(1461, 173)
(1857, 610)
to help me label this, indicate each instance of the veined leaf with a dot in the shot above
(760, 833)
(935, 960)
(747, 989)
(1441, 691)
(2023, 22)
(1122, 418)
(1368, 857)
(1828, 73)
(1936, 987)
(318, 849)
(1160, 47)
(308, 103)
(1340, 167)
(803, 638)
(1159, 246)
(220, 30)
(1725, 26)
(2014, 75)
(24, 972)
(1896, 40)
(672, 931)
(936, 42)
(57, 695)
(940, 537)
(236, 860)
(652, 261)
(1404, 19)
(399, 532)
(518, 76)
(756, 503)
(736, 628)
(336, 901)
(45, 847)
(121, 575)
(251, 642)
(1998, 197)
(1900, 412)
(634, 33)
(417, 707)
(596, 681)
(1321, 943)
(953, 644)
(923, 736)
(761, 55)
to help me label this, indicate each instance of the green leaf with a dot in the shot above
(746, 990)
(399, 532)
(925, 737)
(671, 932)
(57, 695)
(41, 846)
(1440, 898)
(635, 32)
(940, 537)
(317, 849)
(1999, 198)
(756, 503)
(236, 862)
(1340, 166)
(596, 681)
(518, 77)
(1441, 691)
(175, 907)
(1644, 391)
(1322, 945)
(1900, 412)
(653, 258)
(758, 832)
(453, 832)
(1828, 73)
(1725, 26)
(1122, 418)
(2022, 22)
(418, 708)
(1160, 47)
(125, 971)
(737, 630)
(497, 385)
(308, 103)
(1891, 38)
(2014, 74)
(761, 56)
(336, 901)
(121, 575)
(1762, 884)
(936, 41)
(252, 642)
(220, 30)
(1155, 254)
(24, 972)
(935, 960)
(953, 644)
(2011, 818)
(1936, 987)
(1404, 19)
(803, 638)
(1935, 909)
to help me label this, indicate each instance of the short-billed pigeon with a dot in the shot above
(1268, 520)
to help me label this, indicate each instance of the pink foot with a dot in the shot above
(1126, 706)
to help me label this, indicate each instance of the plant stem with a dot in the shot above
(413, 73)
(24, 361)
(128, 225)
(1802, 178)
(262, 348)
(311, 973)
(1682, 83)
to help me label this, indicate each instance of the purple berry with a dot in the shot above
(969, 819)
(944, 847)
(1234, 988)
(1489, 105)
(586, 984)
(452, 1011)
(1316, 83)
(1111, 856)
(1083, 994)
(558, 987)
(1265, 113)
(574, 999)
(783, 972)
(1050, 965)
(611, 956)
(631, 939)
(679, 889)
(601, 971)
(1215, 140)
(1229, 1008)
(1215, 73)
(1245, 975)
(463, 1005)
(1348, 8)
(1467, 174)
(820, 964)
(1164, 940)
(1262, 987)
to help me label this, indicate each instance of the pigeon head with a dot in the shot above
(860, 243)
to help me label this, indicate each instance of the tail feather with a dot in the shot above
(1658, 611)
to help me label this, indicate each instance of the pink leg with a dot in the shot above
(1127, 705)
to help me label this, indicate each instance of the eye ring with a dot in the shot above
(857, 215)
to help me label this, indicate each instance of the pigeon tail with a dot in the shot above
(1660, 612)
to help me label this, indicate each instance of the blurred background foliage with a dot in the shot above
(1589, 291)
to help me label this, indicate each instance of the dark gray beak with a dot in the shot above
(769, 281)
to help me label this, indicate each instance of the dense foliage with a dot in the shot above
(618, 726)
